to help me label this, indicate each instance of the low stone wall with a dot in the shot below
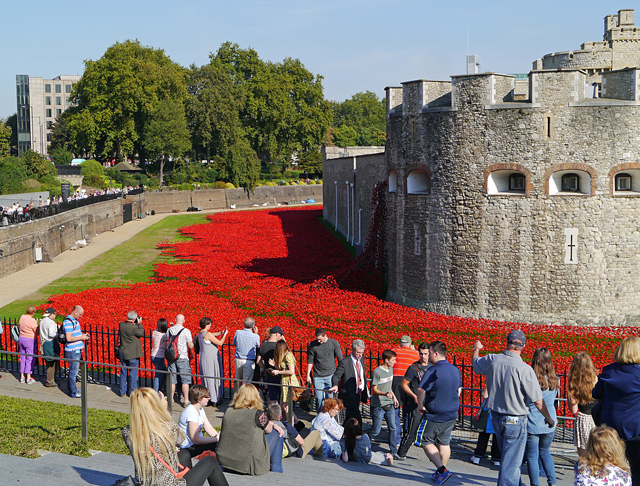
(55, 234)
(167, 201)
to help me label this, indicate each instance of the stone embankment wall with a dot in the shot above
(469, 245)
(55, 234)
(58, 233)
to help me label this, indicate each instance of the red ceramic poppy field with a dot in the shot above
(281, 267)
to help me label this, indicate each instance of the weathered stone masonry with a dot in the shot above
(470, 244)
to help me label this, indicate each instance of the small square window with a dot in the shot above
(570, 183)
(47, 88)
(58, 88)
(623, 182)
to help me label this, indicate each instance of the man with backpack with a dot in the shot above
(177, 353)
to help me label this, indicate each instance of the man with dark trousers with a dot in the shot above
(352, 378)
(130, 351)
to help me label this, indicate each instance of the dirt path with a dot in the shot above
(27, 281)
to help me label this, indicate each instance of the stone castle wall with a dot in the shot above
(352, 220)
(507, 255)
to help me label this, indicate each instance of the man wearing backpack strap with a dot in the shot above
(73, 349)
(181, 365)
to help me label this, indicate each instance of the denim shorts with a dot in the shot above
(183, 368)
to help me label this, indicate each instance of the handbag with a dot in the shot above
(178, 475)
(128, 481)
(479, 420)
(299, 394)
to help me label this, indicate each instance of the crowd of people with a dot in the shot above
(518, 412)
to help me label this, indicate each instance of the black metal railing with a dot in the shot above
(104, 368)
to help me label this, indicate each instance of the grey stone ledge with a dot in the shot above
(512, 106)
(437, 109)
(604, 102)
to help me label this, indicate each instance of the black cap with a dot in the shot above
(49, 310)
(277, 329)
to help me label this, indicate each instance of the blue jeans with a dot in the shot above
(159, 379)
(399, 426)
(74, 366)
(133, 375)
(538, 445)
(275, 443)
(320, 383)
(390, 416)
(511, 432)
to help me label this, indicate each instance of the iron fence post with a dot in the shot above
(83, 401)
(290, 404)
(169, 394)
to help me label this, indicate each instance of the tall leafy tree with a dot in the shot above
(12, 122)
(5, 140)
(117, 95)
(360, 120)
(166, 134)
(285, 111)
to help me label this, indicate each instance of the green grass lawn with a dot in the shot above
(57, 428)
(127, 263)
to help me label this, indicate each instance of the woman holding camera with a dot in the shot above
(210, 360)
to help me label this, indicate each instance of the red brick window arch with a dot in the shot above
(624, 179)
(570, 180)
(507, 180)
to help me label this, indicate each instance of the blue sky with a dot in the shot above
(357, 45)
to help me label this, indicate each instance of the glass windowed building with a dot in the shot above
(40, 101)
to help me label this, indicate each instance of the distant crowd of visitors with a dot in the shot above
(518, 411)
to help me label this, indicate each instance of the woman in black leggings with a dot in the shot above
(152, 438)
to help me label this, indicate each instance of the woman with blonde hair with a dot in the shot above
(539, 436)
(249, 444)
(618, 387)
(581, 380)
(284, 363)
(604, 463)
(152, 438)
(27, 344)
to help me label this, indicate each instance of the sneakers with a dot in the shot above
(475, 459)
(76, 395)
(22, 380)
(30, 381)
(441, 478)
(496, 463)
(396, 457)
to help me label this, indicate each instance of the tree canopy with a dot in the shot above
(360, 120)
(117, 95)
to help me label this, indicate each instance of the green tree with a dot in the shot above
(166, 135)
(285, 111)
(37, 166)
(360, 120)
(12, 122)
(60, 156)
(92, 172)
(213, 109)
(117, 95)
(13, 172)
(311, 163)
(5, 140)
(242, 167)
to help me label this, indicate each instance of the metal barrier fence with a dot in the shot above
(104, 368)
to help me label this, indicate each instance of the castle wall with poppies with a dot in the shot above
(521, 211)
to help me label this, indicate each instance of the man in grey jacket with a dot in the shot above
(130, 351)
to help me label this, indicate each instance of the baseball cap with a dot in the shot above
(405, 340)
(516, 335)
(50, 310)
(277, 329)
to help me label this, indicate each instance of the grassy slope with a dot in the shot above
(127, 263)
(57, 428)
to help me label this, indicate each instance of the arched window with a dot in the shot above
(623, 182)
(506, 182)
(393, 181)
(570, 183)
(418, 182)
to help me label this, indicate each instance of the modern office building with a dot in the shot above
(40, 101)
